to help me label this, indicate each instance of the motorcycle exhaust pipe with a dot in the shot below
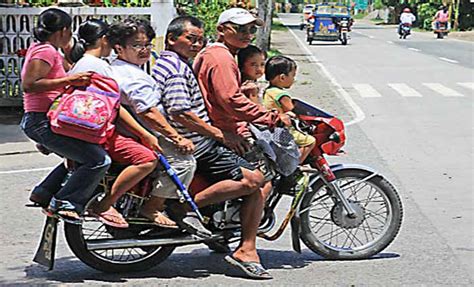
(102, 244)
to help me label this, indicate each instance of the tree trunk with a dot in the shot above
(265, 11)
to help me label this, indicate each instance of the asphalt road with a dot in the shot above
(414, 100)
(413, 141)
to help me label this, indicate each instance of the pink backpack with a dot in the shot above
(87, 113)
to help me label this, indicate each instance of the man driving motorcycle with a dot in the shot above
(441, 17)
(406, 18)
(230, 110)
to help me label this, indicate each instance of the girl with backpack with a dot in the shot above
(43, 79)
(93, 44)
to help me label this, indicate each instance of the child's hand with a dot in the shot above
(291, 114)
(151, 142)
(249, 88)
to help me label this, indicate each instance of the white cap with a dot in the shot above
(238, 16)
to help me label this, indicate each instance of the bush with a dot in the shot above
(207, 11)
(426, 12)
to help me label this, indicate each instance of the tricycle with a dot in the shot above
(329, 22)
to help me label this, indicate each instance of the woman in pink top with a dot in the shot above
(43, 79)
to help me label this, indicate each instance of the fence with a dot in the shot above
(16, 34)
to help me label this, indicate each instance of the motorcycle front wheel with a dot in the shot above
(329, 232)
(130, 259)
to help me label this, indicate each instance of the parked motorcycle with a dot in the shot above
(405, 30)
(339, 211)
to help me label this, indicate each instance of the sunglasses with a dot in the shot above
(243, 29)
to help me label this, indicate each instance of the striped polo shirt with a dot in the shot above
(180, 93)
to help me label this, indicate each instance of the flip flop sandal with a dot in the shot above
(152, 221)
(64, 210)
(253, 270)
(107, 216)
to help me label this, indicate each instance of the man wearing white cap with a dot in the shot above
(230, 110)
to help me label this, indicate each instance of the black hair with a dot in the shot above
(248, 52)
(120, 32)
(178, 24)
(89, 33)
(278, 65)
(49, 22)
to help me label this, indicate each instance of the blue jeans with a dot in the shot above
(93, 160)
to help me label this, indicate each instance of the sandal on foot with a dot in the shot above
(157, 218)
(63, 209)
(111, 217)
(253, 270)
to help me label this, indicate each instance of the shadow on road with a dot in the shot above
(198, 264)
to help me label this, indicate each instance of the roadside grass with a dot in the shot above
(360, 16)
(273, 52)
(278, 26)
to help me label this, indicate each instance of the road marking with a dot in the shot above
(390, 42)
(26, 170)
(404, 90)
(414, 49)
(448, 60)
(467, 85)
(371, 37)
(366, 91)
(359, 114)
(445, 91)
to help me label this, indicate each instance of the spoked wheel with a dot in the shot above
(112, 260)
(327, 229)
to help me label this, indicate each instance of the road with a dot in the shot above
(422, 143)
(416, 102)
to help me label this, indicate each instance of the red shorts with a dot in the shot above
(125, 150)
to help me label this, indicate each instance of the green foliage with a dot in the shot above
(207, 11)
(426, 11)
(378, 4)
(278, 26)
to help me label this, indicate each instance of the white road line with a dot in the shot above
(404, 90)
(26, 170)
(366, 91)
(467, 85)
(443, 90)
(371, 37)
(414, 49)
(448, 60)
(359, 114)
(390, 42)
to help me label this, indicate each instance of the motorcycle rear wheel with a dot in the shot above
(111, 260)
(327, 230)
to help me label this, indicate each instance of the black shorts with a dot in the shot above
(219, 163)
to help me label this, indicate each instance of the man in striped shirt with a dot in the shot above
(231, 176)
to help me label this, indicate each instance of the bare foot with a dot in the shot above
(246, 256)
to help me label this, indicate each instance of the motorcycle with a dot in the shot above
(441, 30)
(405, 30)
(339, 211)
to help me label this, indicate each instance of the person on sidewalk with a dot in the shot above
(230, 110)
(44, 79)
(131, 40)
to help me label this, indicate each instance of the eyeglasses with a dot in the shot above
(140, 47)
(243, 29)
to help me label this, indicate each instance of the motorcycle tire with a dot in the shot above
(440, 35)
(340, 222)
(344, 39)
(134, 260)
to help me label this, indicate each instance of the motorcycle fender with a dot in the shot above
(295, 232)
(341, 166)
